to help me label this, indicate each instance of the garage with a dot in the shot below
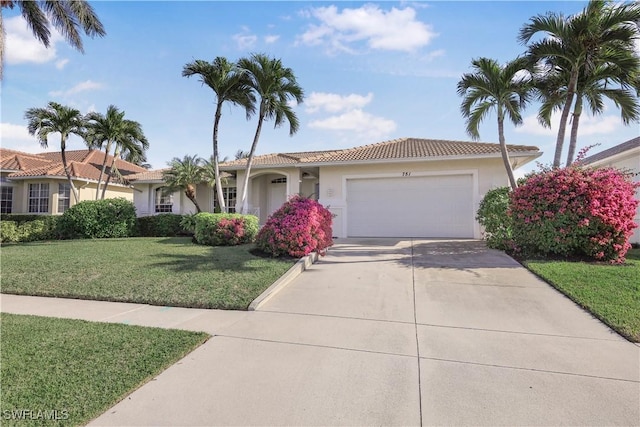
(411, 206)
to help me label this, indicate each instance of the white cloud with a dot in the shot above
(16, 137)
(334, 103)
(357, 121)
(245, 40)
(9, 131)
(395, 29)
(271, 38)
(22, 46)
(61, 63)
(588, 125)
(80, 87)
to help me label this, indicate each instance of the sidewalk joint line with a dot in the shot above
(523, 333)
(518, 368)
(331, 347)
(334, 316)
(415, 322)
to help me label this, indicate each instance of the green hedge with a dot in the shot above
(223, 229)
(161, 225)
(99, 219)
(44, 227)
(493, 216)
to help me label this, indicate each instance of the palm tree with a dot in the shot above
(494, 87)
(230, 85)
(104, 131)
(185, 175)
(130, 145)
(66, 16)
(56, 118)
(274, 85)
(619, 82)
(577, 43)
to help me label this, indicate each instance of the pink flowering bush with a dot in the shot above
(299, 227)
(575, 211)
(224, 229)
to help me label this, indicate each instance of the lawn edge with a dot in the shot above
(300, 266)
(584, 307)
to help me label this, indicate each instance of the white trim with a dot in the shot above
(616, 157)
(473, 172)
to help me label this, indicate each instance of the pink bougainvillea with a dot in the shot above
(575, 211)
(299, 227)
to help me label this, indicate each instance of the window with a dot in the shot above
(164, 201)
(64, 197)
(230, 195)
(279, 181)
(38, 198)
(6, 200)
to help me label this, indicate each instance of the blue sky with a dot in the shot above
(371, 71)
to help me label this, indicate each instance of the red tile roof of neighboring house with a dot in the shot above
(156, 175)
(404, 148)
(83, 164)
(618, 149)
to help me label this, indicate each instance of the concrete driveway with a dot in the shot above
(399, 332)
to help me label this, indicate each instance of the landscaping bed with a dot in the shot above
(609, 292)
(158, 271)
(67, 372)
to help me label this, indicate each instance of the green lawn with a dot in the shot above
(610, 292)
(73, 370)
(159, 271)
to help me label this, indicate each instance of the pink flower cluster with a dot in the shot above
(575, 211)
(230, 231)
(299, 227)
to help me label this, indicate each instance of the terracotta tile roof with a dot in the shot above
(618, 149)
(404, 148)
(84, 164)
(17, 160)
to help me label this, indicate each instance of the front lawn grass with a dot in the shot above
(158, 271)
(609, 292)
(73, 370)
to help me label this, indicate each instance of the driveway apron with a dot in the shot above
(400, 332)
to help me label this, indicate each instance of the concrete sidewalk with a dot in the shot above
(385, 332)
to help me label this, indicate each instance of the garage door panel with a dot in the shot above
(428, 206)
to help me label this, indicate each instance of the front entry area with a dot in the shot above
(421, 206)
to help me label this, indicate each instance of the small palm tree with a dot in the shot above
(66, 16)
(274, 85)
(492, 87)
(56, 118)
(619, 82)
(185, 174)
(230, 85)
(131, 145)
(577, 44)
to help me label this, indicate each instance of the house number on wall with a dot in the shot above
(406, 173)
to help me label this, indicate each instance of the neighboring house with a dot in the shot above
(37, 183)
(401, 188)
(626, 157)
(151, 196)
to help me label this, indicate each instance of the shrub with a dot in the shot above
(161, 225)
(575, 211)
(299, 227)
(188, 223)
(494, 218)
(99, 219)
(223, 229)
(44, 227)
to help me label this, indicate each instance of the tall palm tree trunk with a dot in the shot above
(216, 166)
(63, 144)
(110, 174)
(573, 81)
(104, 167)
(505, 152)
(190, 192)
(575, 122)
(244, 201)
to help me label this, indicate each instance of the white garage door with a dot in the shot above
(426, 206)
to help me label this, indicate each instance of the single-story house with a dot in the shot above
(626, 157)
(37, 184)
(407, 187)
